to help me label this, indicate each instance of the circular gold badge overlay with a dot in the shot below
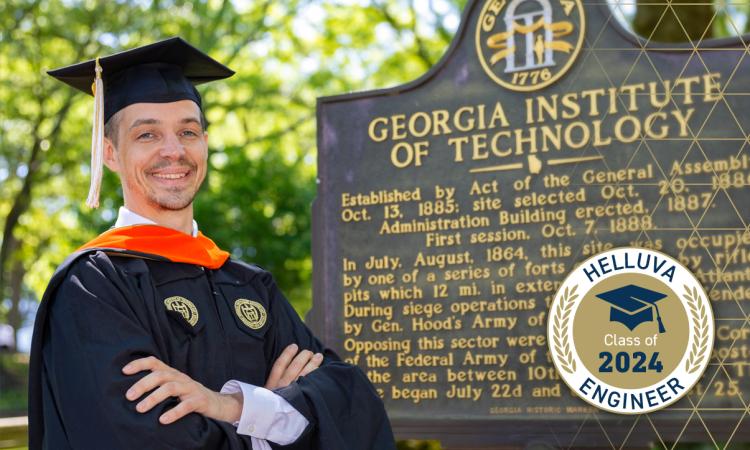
(594, 333)
(554, 43)
(185, 307)
(250, 312)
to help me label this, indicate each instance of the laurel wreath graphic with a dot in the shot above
(699, 317)
(560, 324)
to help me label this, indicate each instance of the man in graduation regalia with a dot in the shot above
(150, 336)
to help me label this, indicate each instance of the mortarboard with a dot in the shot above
(162, 72)
(633, 305)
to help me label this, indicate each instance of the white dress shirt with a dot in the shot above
(266, 416)
(126, 218)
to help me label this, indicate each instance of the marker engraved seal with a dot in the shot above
(526, 45)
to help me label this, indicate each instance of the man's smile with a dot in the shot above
(171, 176)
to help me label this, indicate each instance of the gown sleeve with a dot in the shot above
(94, 328)
(343, 408)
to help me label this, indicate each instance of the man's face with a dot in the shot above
(160, 154)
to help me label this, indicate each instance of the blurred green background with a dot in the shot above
(257, 198)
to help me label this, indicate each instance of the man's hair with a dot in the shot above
(113, 124)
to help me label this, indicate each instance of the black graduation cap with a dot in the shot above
(633, 305)
(162, 72)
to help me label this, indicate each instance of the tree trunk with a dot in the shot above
(22, 201)
(15, 319)
(676, 21)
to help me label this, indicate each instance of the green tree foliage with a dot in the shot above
(257, 199)
(690, 20)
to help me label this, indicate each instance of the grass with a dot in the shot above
(13, 438)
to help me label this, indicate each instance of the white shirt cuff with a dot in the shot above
(266, 415)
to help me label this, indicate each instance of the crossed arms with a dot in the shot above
(166, 382)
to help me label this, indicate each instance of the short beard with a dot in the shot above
(170, 201)
(171, 204)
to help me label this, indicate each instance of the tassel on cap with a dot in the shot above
(97, 139)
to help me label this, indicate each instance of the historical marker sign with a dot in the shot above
(451, 209)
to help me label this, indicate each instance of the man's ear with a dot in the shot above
(110, 156)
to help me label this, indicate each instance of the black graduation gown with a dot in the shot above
(104, 309)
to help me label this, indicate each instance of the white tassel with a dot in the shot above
(97, 140)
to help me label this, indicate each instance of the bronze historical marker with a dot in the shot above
(450, 210)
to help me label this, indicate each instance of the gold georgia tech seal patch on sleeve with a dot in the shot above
(185, 307)
(525, 45)
(250, 312)
(631, 330)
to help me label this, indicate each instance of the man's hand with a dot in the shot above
(168, 382)
(194, 397)
(289, 367)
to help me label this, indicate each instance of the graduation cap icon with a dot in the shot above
(633, 305)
